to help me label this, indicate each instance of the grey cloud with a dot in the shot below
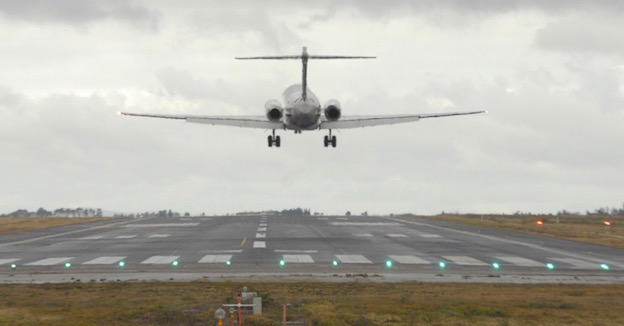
(78, 11)
(584, 34)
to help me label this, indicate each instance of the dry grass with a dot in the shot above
(589, 229)
(172, 303)
(18, 224)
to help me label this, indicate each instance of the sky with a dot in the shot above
(550, 74)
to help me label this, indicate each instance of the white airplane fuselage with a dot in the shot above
(300, 113)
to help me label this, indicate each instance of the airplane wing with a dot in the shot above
(347, 122)
(259, 122)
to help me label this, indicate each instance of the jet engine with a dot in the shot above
(274, 110)
(332, 110)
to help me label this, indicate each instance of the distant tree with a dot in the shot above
(348, 213)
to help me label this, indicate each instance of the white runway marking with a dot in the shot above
(396, 235)
(364, 223)
(322, 218)
(126, 236)
(577, 263)
(353, 259)
(161, 225)
(50, 261)
(363, 235)
(263, 224)
(104, 260)
(521, 261)
(294, 251)
(213, 259)
(7, 261)
(262, 229)
(429, 235)
(298, 259)
(260, 235)
(408, 259)
(259, 244)
(225, 251)
(155, 260)
(342, 218)
(159, 236)
(93, 237)
(464, 260)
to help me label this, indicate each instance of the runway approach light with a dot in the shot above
(67, 265)
(606, 223)
(604, 267)
(442, 264)
(550, 266)
(174, 263)
(495, 265)
(282, 262)
(539, 222)
(389, 263)
(121, 264)
(13, 266)
(335, 263)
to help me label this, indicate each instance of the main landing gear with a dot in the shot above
(330, 140)
(274, 140)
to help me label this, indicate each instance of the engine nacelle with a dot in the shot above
(332, 110)
(274, 110)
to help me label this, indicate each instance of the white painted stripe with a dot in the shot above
(7, 261)
(93, 237)
(263, 224)
(225, 251)
(364, 223)
(259, 244)
(126, 236)
(294, 251)
(260, 235)
(50, 261)
(406, 259)
(159, 236)
(362, 235)
(342, 218)
(306, 259)
(429, 235)
(104, 260)
(161, 225)
(521, 261)
(353, 259)
(160, 260)
(213, 259)
(186, 219)
(322, 218)
(396, 235)
(262, 229)
(577, 263)
(465, 260)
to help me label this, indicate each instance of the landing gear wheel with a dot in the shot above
(333, 141)
(270, 139)
(326, 141)
(277, 141)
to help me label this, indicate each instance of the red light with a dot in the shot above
(607, 223)
(540, 222)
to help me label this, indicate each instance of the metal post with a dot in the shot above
(284, 315)
(240, 311)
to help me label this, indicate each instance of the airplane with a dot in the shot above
(301, 110)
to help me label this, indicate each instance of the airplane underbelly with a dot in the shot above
(302, 121)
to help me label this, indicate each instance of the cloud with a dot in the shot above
(79, 12)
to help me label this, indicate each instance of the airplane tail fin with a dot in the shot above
(304, 56)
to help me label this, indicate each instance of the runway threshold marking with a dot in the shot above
(465, 260)
(521, 261)
(158, 260)
(243, 242)
(213, 259)
(160, 225)
(104, 260)
(407, 259)
(353, 259)
(306, 259)
(259, 244)
(50, 261)
(577, 263)
(7, 261)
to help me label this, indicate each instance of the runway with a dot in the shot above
(312, 247)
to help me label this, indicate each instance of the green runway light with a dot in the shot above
(495, 265)
(442, 265)
(174, 263)
(550, 266)
(335, 263)
(282, 262)
(604, 267)
(121, 263)
(13, 266)
(389, 263)
(67, 265)
(228, 263)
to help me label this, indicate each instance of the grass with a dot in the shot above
(19, 224)
(190, 303)
(588, 229)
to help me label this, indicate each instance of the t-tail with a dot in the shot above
(304, 56)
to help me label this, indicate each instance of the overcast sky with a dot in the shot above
(550, 73)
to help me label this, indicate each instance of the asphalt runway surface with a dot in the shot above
(327, 248)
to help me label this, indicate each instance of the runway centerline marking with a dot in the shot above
(104, 260)
(259, 244)
(93, 237)
(132, 236)
(160, 225)
(362, 235)
(260, 235)
(159, 236)
(262, 229)
(50, 261)
(307, 259)
(428, 235)
(159, 260)
(396, 235)
(213, 259)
